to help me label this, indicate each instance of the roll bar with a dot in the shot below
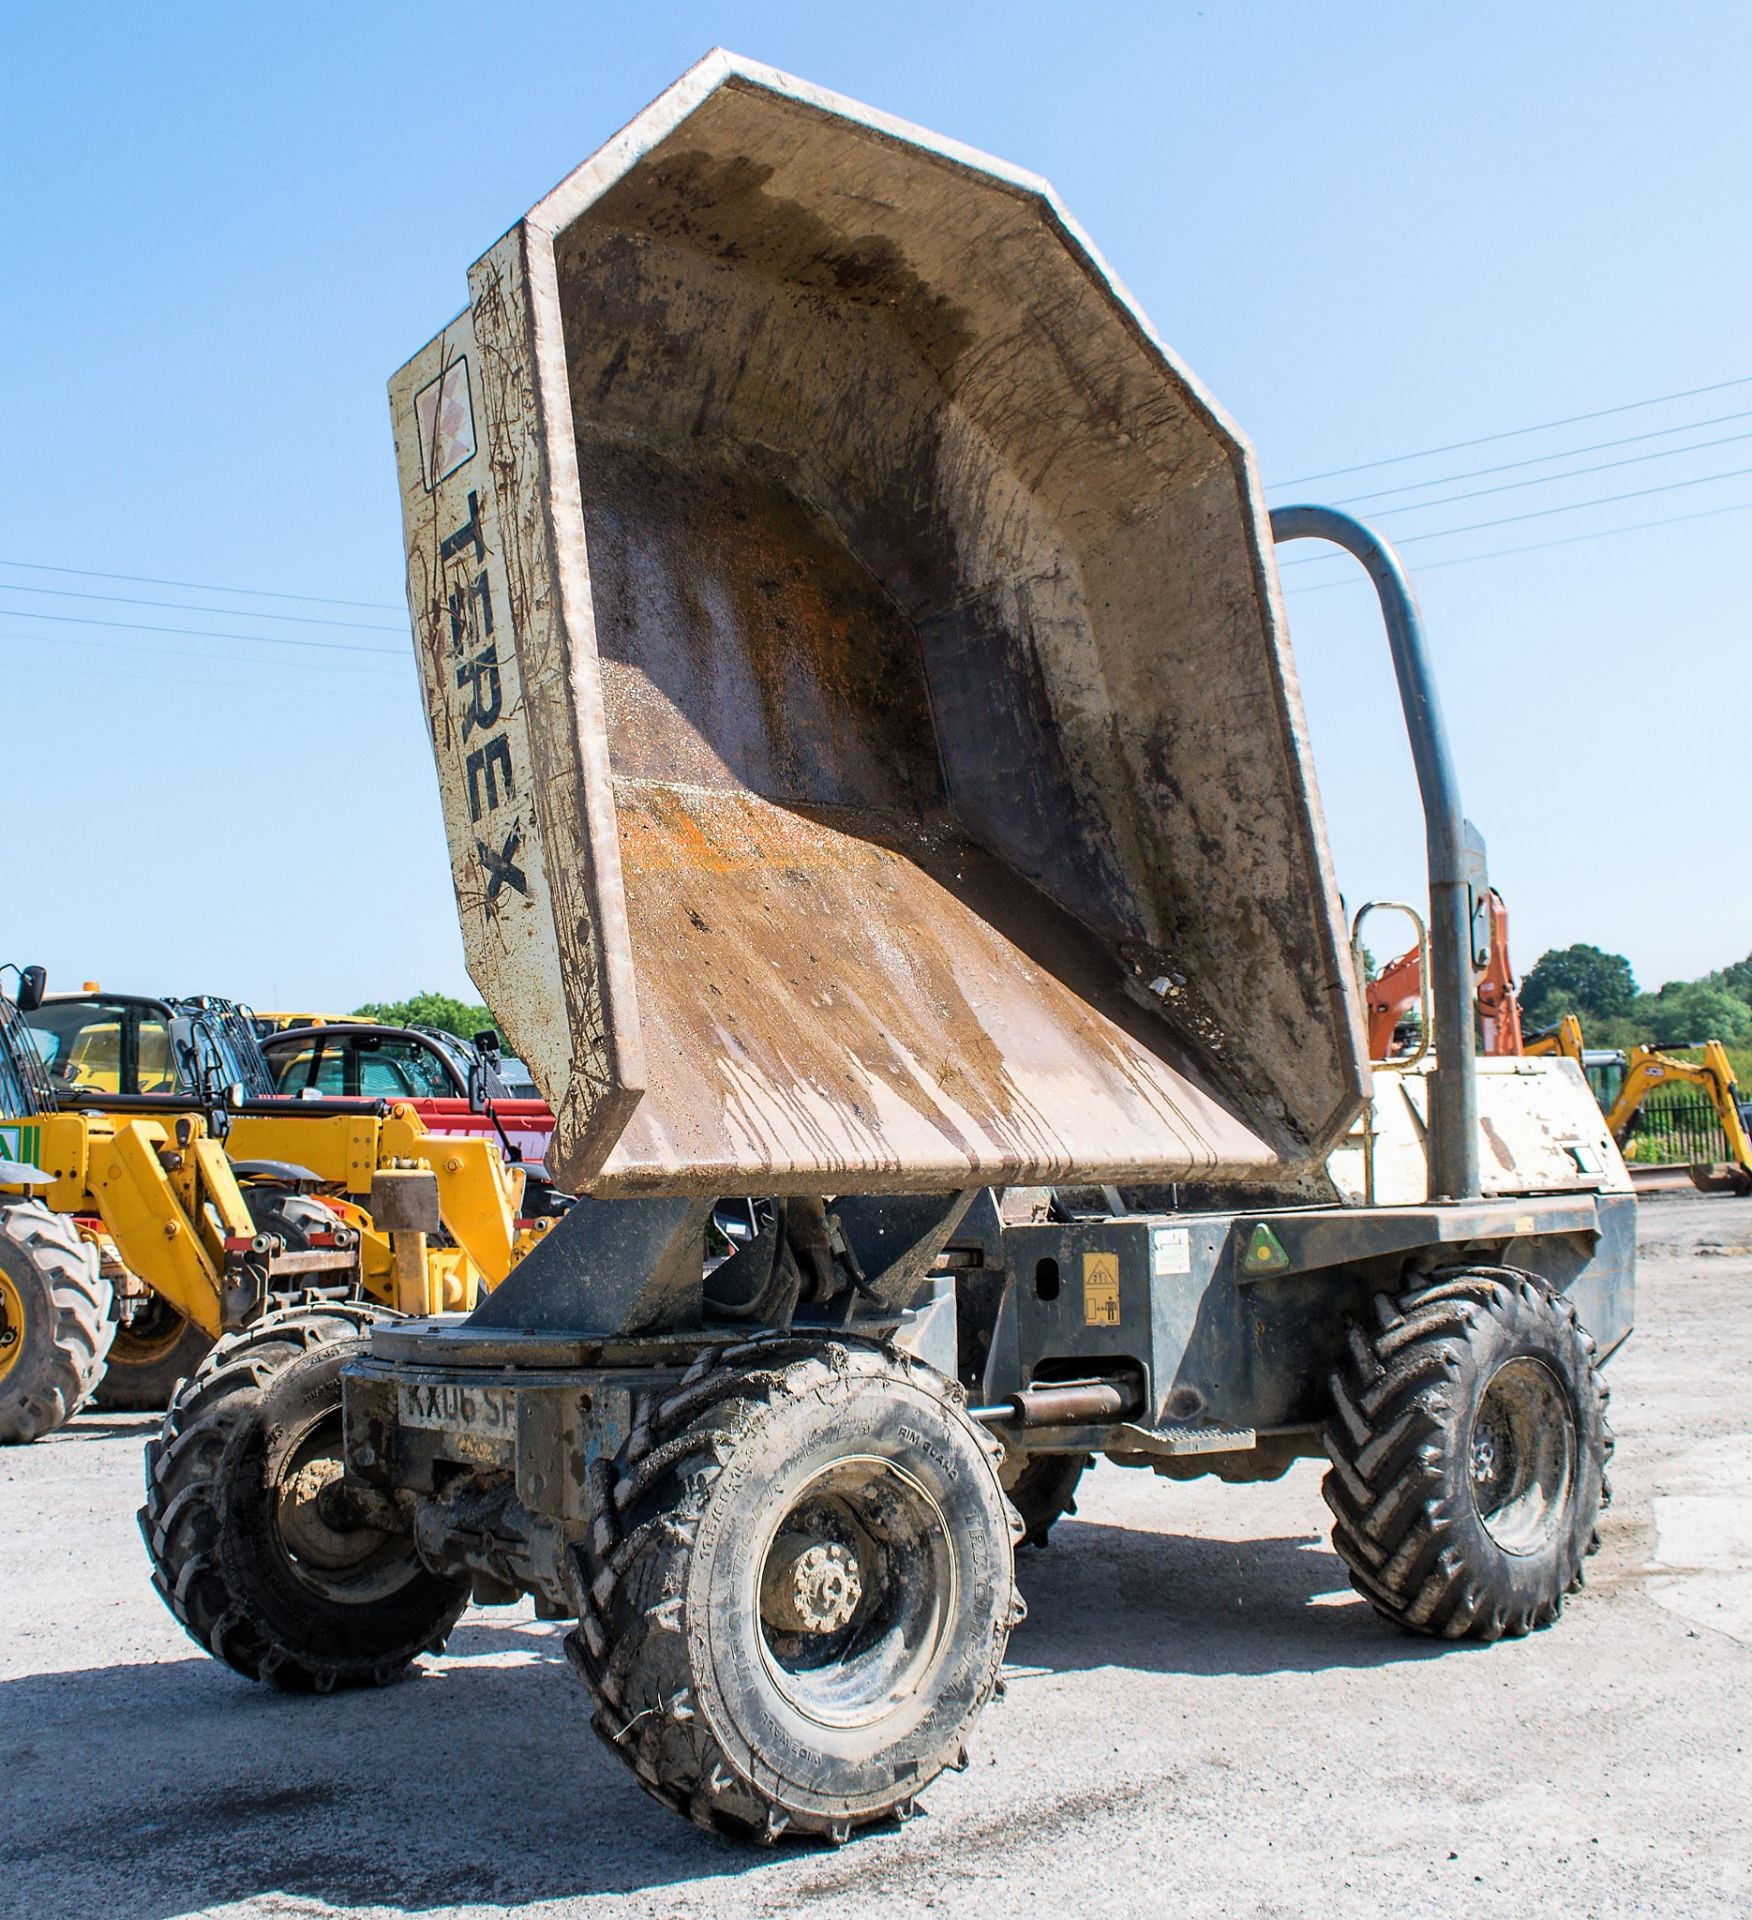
(1448, 844)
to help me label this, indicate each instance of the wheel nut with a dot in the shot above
(809, 1586)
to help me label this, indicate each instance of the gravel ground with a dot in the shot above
(1201, 1716)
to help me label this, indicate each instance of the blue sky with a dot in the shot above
(1371, 230)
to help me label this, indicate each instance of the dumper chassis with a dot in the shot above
(789, 1551)
(1006, 874)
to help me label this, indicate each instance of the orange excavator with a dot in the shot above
(1398, 990)
(1623, 1083)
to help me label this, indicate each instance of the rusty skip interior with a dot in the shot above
(945, 714)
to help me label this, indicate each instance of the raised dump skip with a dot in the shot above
(868, 749)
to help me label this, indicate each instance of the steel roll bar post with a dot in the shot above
(1454, 1092)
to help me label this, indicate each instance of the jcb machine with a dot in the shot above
(876, 783)
(87, 1193)
(206, 1204)
(1629, 1082)
(433, 1221)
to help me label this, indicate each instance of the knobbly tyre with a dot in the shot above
(57, 1310)
(875, 781)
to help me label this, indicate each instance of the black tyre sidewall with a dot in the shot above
(1520, 1584)
(50, 1380)
(844, 1772)
(351, 1643)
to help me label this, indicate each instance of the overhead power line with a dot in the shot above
(1542, 513)
(158, 680)
(205, 586)
(1513, 433)
(1540, 459)
(1536, 546)
(201, 633)
(150, 651)
(1575, 473)
(190, 606)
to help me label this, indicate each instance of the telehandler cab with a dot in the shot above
(875, 781)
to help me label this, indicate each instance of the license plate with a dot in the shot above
(485, 1413)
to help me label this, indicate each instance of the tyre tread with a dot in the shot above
(84, 1323)
(1395, 1396)
(628, 1578)
(180, 1519)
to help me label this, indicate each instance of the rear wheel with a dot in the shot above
(258, 1547)
(1469, 1446)
(1043, 1489)
(152, 1353)
(798, 1587)
(56, 1320)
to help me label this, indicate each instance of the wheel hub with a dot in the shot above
(1522, 1456)
(810, 1586)
(11, 1325)
(857, 1592)
(308, 1513)
(1487, 1463)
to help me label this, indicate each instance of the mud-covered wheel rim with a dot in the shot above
(12, 1323)
(1522, 1456)
(150, 1336)
(858, 1592)
(326, 1544)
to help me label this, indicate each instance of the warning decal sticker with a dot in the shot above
(444, 416)
(1101, 1289)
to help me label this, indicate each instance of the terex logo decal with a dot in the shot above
(474, 656)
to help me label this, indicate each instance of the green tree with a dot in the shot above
(1685, 1012)
(1737, 979)
(1618, 1030)
(461, 1017)
(1579, 979)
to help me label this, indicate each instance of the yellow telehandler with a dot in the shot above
(160, 1193)
(202, 1209)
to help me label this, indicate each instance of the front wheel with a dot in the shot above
(57, 1319)
(257, 1545)
(798, 1587)
(1469, 1445)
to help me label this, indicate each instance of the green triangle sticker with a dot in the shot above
(1265, 1251)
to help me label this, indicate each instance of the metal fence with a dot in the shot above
(1676, 1129)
